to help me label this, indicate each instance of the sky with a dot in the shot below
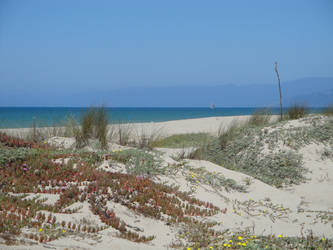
(79, 45)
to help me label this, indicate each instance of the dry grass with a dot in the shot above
(225, 135)
(125, 131)
(93, 125)
(260, 117)
(100, 123)
(295, 112)
(87, 124)
(146, 139)
(329, 110)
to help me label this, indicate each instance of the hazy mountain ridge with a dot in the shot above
(313, 91)
(318, 99)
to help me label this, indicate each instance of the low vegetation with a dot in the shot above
(296, 112)
(213, 179)
(243, 154)
(225, 136)
(138, 162)
(329, 110)
(183, 140)
(260, 117)
(244, 240)
(124, 133)
(77, 181)
(93, 124)
(241, 148)
(75, 176)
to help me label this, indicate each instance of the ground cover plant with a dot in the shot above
(246, 240)
(274, 169)
(79, 180)
(138, 162)
(318, 131)
(215, 180)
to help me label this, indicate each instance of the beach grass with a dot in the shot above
(260, 117)
(124, 132)
(93, 124)
(296, 111)
(329, 110)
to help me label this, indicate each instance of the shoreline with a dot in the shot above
(117, 122)
(57, 117)
(185, 126)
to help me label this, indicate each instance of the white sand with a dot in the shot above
(209, 124)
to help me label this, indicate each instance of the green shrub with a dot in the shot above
(296, 112)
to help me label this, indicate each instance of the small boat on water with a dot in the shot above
(212, 106)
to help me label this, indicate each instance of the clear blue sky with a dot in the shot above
(82, 45)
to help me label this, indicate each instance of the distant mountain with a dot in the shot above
(319, 99)
(313, 91)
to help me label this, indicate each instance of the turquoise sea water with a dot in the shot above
(22, 117)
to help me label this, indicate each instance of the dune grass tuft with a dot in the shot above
(87, 124)
(125, 131)
(225, 136)
(260, 117)
(329, 110)
(100, 124)
(295, 112)
(93, 125)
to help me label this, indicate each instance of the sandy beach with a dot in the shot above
(260, 210)
(199, 125)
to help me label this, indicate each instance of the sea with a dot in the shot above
(24, 117)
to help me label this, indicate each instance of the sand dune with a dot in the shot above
(262, 210)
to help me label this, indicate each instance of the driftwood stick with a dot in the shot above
(278, 76)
